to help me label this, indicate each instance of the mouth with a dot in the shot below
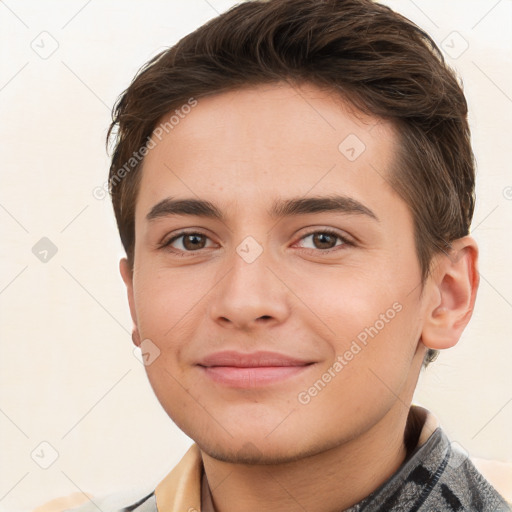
(251, 370)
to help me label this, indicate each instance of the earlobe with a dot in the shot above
(125, 271)
(452, 290)
(136, 337)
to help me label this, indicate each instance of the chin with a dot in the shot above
(251, 446)
(251, 454)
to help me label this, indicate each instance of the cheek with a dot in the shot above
(379, 359)
(349, 299)
(371, 321)
(165, 301)
(370, 367)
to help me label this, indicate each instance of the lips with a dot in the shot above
(250, 360)
(249, 370)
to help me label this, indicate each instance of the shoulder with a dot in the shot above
(64, 503)
(499, 474)
(130, 501)
(440, 476)
(463, 483)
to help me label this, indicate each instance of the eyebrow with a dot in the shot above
(280, 208)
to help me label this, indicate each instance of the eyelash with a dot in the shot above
(345, 242)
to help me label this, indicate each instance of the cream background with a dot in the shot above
(67, 372)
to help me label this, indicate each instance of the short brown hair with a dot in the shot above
(376, 59)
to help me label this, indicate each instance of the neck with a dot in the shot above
(342, 476)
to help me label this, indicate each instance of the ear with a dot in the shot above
(127, 275)
(452, 292)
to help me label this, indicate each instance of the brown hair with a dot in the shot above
(376, 59)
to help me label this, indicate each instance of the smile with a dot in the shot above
(258, 369)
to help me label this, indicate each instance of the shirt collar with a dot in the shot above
(181, 488)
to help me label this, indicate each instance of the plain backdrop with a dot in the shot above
(73, 396)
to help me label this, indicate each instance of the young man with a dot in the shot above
(293, 184)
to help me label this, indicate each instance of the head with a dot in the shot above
(295, 100)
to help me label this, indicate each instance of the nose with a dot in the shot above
(249, 295)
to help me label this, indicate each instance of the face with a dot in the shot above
(276, 283)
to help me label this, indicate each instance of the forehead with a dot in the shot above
(263, 142)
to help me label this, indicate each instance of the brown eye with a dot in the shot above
(186, 242)
(324, 240)
(193, 241)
